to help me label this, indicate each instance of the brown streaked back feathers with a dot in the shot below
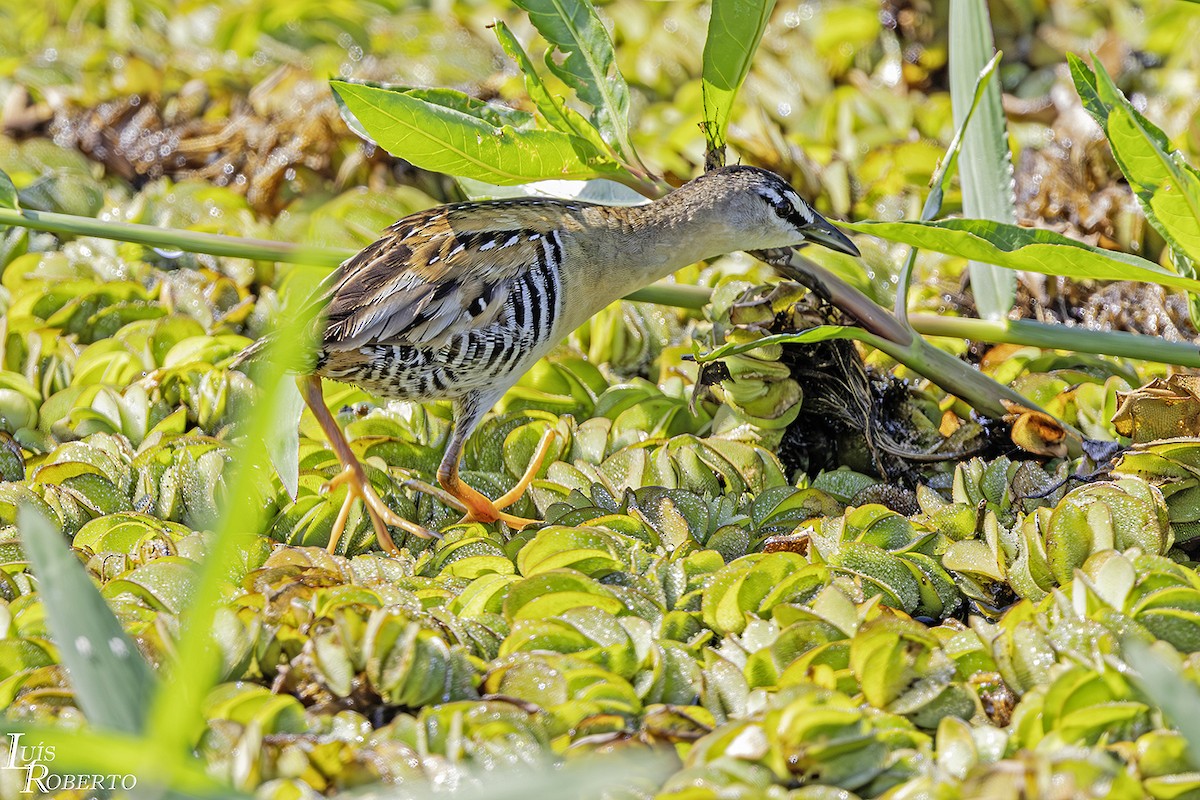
(439, 272)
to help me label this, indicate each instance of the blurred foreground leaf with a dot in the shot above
(111, 679)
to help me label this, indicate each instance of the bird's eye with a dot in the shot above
(783, 207)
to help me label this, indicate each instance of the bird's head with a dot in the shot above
(761, 203)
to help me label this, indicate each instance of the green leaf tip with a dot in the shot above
(8, 193)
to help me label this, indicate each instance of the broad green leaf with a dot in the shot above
(588, 63)
(734, 31)
(985, 170)
(450, 140)
(1166, 186)
(112, 681)
(1031, 249)
(449, 98)
(8, 192)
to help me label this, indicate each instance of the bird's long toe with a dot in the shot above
(358, 488)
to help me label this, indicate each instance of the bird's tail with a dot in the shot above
(296, 344)
(299, 357)
(249, 354)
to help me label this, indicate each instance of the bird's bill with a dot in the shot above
(822, 232)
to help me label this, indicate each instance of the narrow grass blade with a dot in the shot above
(985, 171)
(588, 63)
(458, 140)
(111, 679)
(175, 720)
(940, 181)
(1013, 247)
(734, 32)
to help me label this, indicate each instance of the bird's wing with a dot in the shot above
(437, 273)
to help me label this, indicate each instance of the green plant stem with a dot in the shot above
(680, 295)
(841, 294)
(956, 377)
(191, 241)
(663, 293)
(837, 291)
(1059, 337)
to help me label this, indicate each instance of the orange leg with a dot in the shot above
(355, 478)
(455, 493)
(479, 508)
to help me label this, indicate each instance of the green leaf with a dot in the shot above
(985, 170)
(588, 65)
(8, 192)
(1166, 186)
(1164, 683)
(560, 116)
(283, 438)
(821, 333)
(734, 31)
(940, 182)
(112, 681)
(1031, 249)
(461, 141)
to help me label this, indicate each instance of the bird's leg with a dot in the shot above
(505, 500)
(478, 508)
(535, 464)
(353, 475)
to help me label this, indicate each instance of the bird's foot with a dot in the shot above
(478, 508)
(359, 488)
(475, 506)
